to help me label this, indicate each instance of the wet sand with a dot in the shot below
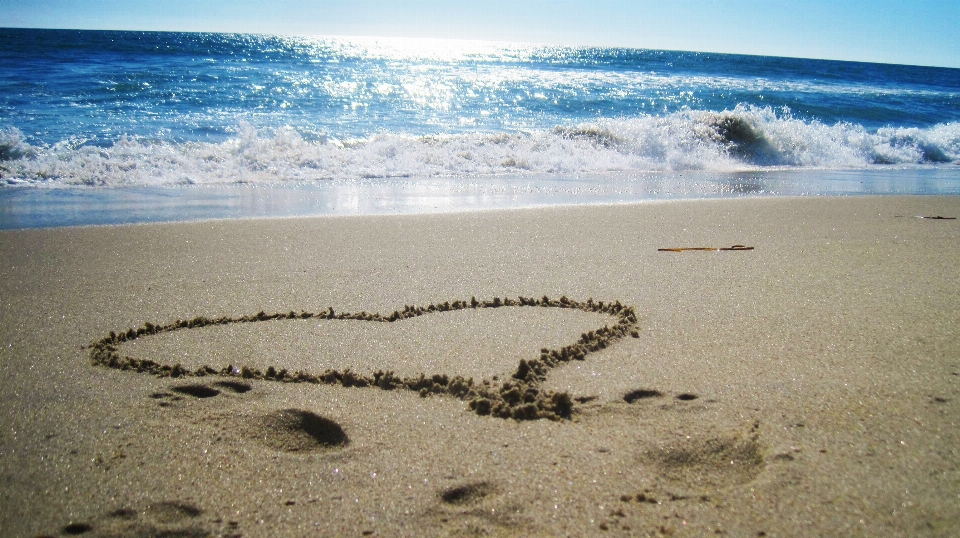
(810, 386)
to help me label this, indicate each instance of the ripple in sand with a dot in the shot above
(296, 430)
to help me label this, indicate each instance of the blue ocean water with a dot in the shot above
(159, 110)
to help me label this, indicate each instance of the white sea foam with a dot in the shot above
(745, 138)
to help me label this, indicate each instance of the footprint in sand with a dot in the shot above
(703, 465)
(286, 430)
(699, 466)
(167, 518)
(474, 509)
(177, 393)
(296, 430)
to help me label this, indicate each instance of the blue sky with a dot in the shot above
(920, 32)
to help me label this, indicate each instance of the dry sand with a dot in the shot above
(808, 387)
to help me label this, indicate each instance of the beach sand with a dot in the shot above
(807, 387)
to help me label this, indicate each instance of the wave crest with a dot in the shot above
(745, 138)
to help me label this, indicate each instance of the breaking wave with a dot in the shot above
(745, 138)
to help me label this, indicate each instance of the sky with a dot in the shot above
(919, 32)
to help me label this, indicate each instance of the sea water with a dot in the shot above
(99, 126)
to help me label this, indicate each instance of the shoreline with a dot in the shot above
(807, 386)
(38, 207)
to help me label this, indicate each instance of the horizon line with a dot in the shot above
(491, 41)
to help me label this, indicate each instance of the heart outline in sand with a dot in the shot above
(519, 397)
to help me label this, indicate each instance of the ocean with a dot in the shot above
(100, 127)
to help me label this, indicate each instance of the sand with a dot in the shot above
(810, 386)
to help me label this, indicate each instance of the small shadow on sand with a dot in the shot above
(238, 387)
(197, 391)
(467, 493)
(641, 394)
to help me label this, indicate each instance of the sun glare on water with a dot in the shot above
(418, 49)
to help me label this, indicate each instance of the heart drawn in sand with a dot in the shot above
(517, 395)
